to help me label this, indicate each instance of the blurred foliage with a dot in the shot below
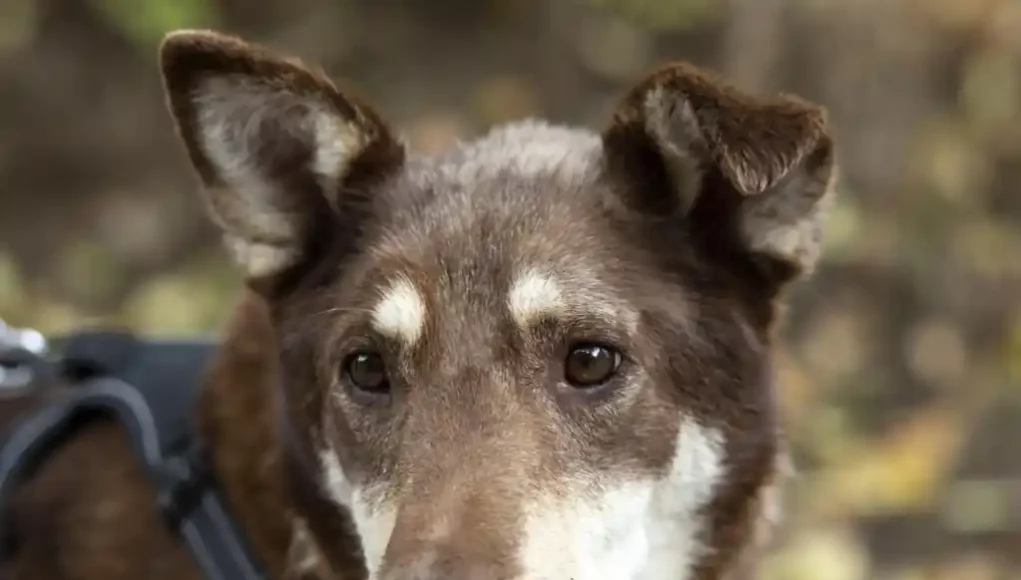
(660, 15)
(900, 374)
(146, 21)
(14, 18)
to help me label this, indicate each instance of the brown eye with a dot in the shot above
(589, 365)
(366, 371)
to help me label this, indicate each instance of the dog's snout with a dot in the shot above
(447, 550)
(443, 564)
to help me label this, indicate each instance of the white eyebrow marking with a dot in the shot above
(401, 312)
(534, 294)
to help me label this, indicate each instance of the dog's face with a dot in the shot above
(542, 355)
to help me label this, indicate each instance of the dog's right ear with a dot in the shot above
(276, 145)
(752, 177)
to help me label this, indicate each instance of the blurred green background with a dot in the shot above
(901, 370)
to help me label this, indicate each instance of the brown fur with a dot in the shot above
(689, 213)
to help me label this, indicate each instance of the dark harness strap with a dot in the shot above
(151, 389)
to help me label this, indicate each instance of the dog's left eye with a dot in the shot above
(366, 371)
(588, 365)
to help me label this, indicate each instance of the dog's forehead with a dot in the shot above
(520, 201)
(502, 229)
(511, 181)
(523, 150)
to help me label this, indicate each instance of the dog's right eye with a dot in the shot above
(590, 365)
(366, 371)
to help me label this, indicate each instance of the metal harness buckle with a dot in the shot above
(20, 348)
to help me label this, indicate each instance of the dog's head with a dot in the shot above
(542, 355)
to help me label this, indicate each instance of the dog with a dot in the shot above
(544, 354)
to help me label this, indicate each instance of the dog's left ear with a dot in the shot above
(749, 174)
(284, 156)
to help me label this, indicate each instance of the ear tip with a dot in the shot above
(179, 48)
(189, 41)
(685, 77)
(815, 112)
(183, 52)
(191, 34)
(816, 125)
